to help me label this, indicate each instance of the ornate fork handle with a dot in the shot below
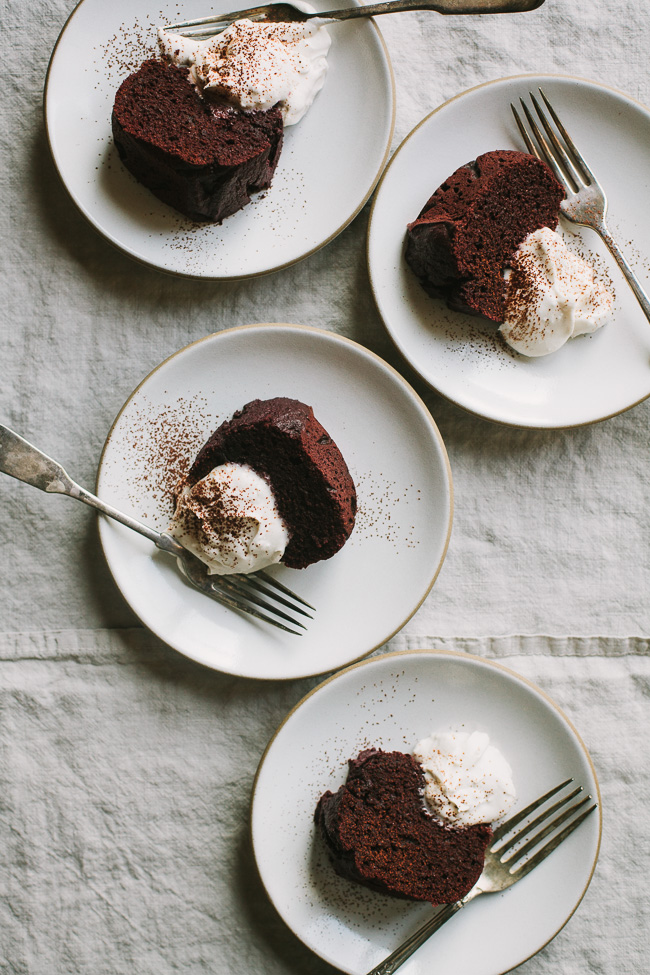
(21, 460)
(390, 965)
(629, 274)
(439, 6)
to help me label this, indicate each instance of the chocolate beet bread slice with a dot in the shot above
(379, 833)
(283, 442)
(460, 244)
(202, 161)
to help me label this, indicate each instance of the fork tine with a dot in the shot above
(186, 25)
(530, 145)
(253, 582)
(203, 33)
(546, 150)
(232, 602)
(531, 808)
(577, 156)
(226, 589)
(542, 818)
(561, 154)
(553, 843)
(550, 827)
(278, 585)
(236, 588)
(217, 19)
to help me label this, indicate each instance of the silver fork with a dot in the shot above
(205, 27)
(246, 593)
(585, 203)
(507, 860)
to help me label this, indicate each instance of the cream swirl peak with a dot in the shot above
(467, 780)
(551, 296)
(229, 520)
(254, 66)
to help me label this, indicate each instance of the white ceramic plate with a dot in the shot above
(315, 192)
(590, 378)
(364, 593)
(392, 702)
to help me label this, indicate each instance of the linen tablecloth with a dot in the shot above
(125, 769)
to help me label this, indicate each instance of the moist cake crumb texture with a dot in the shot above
(204, 162)
(462, 240)
(380, 834)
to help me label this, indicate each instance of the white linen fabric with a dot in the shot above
(125, 770)
(125, 776)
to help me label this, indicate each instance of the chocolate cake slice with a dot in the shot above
(203, 161)
(460, 244)
(380, 834)
(285, 444)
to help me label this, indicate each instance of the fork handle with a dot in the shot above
(22, 460)
(406, 949)
(440, 6)
(630, 276)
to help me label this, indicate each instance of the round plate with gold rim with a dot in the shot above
(364, 593)
(392, 702)
(311, 199)
(590, 378)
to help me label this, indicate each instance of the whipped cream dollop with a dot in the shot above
(254, 66)
(551, 296)
(467, 780)
(230, 521)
